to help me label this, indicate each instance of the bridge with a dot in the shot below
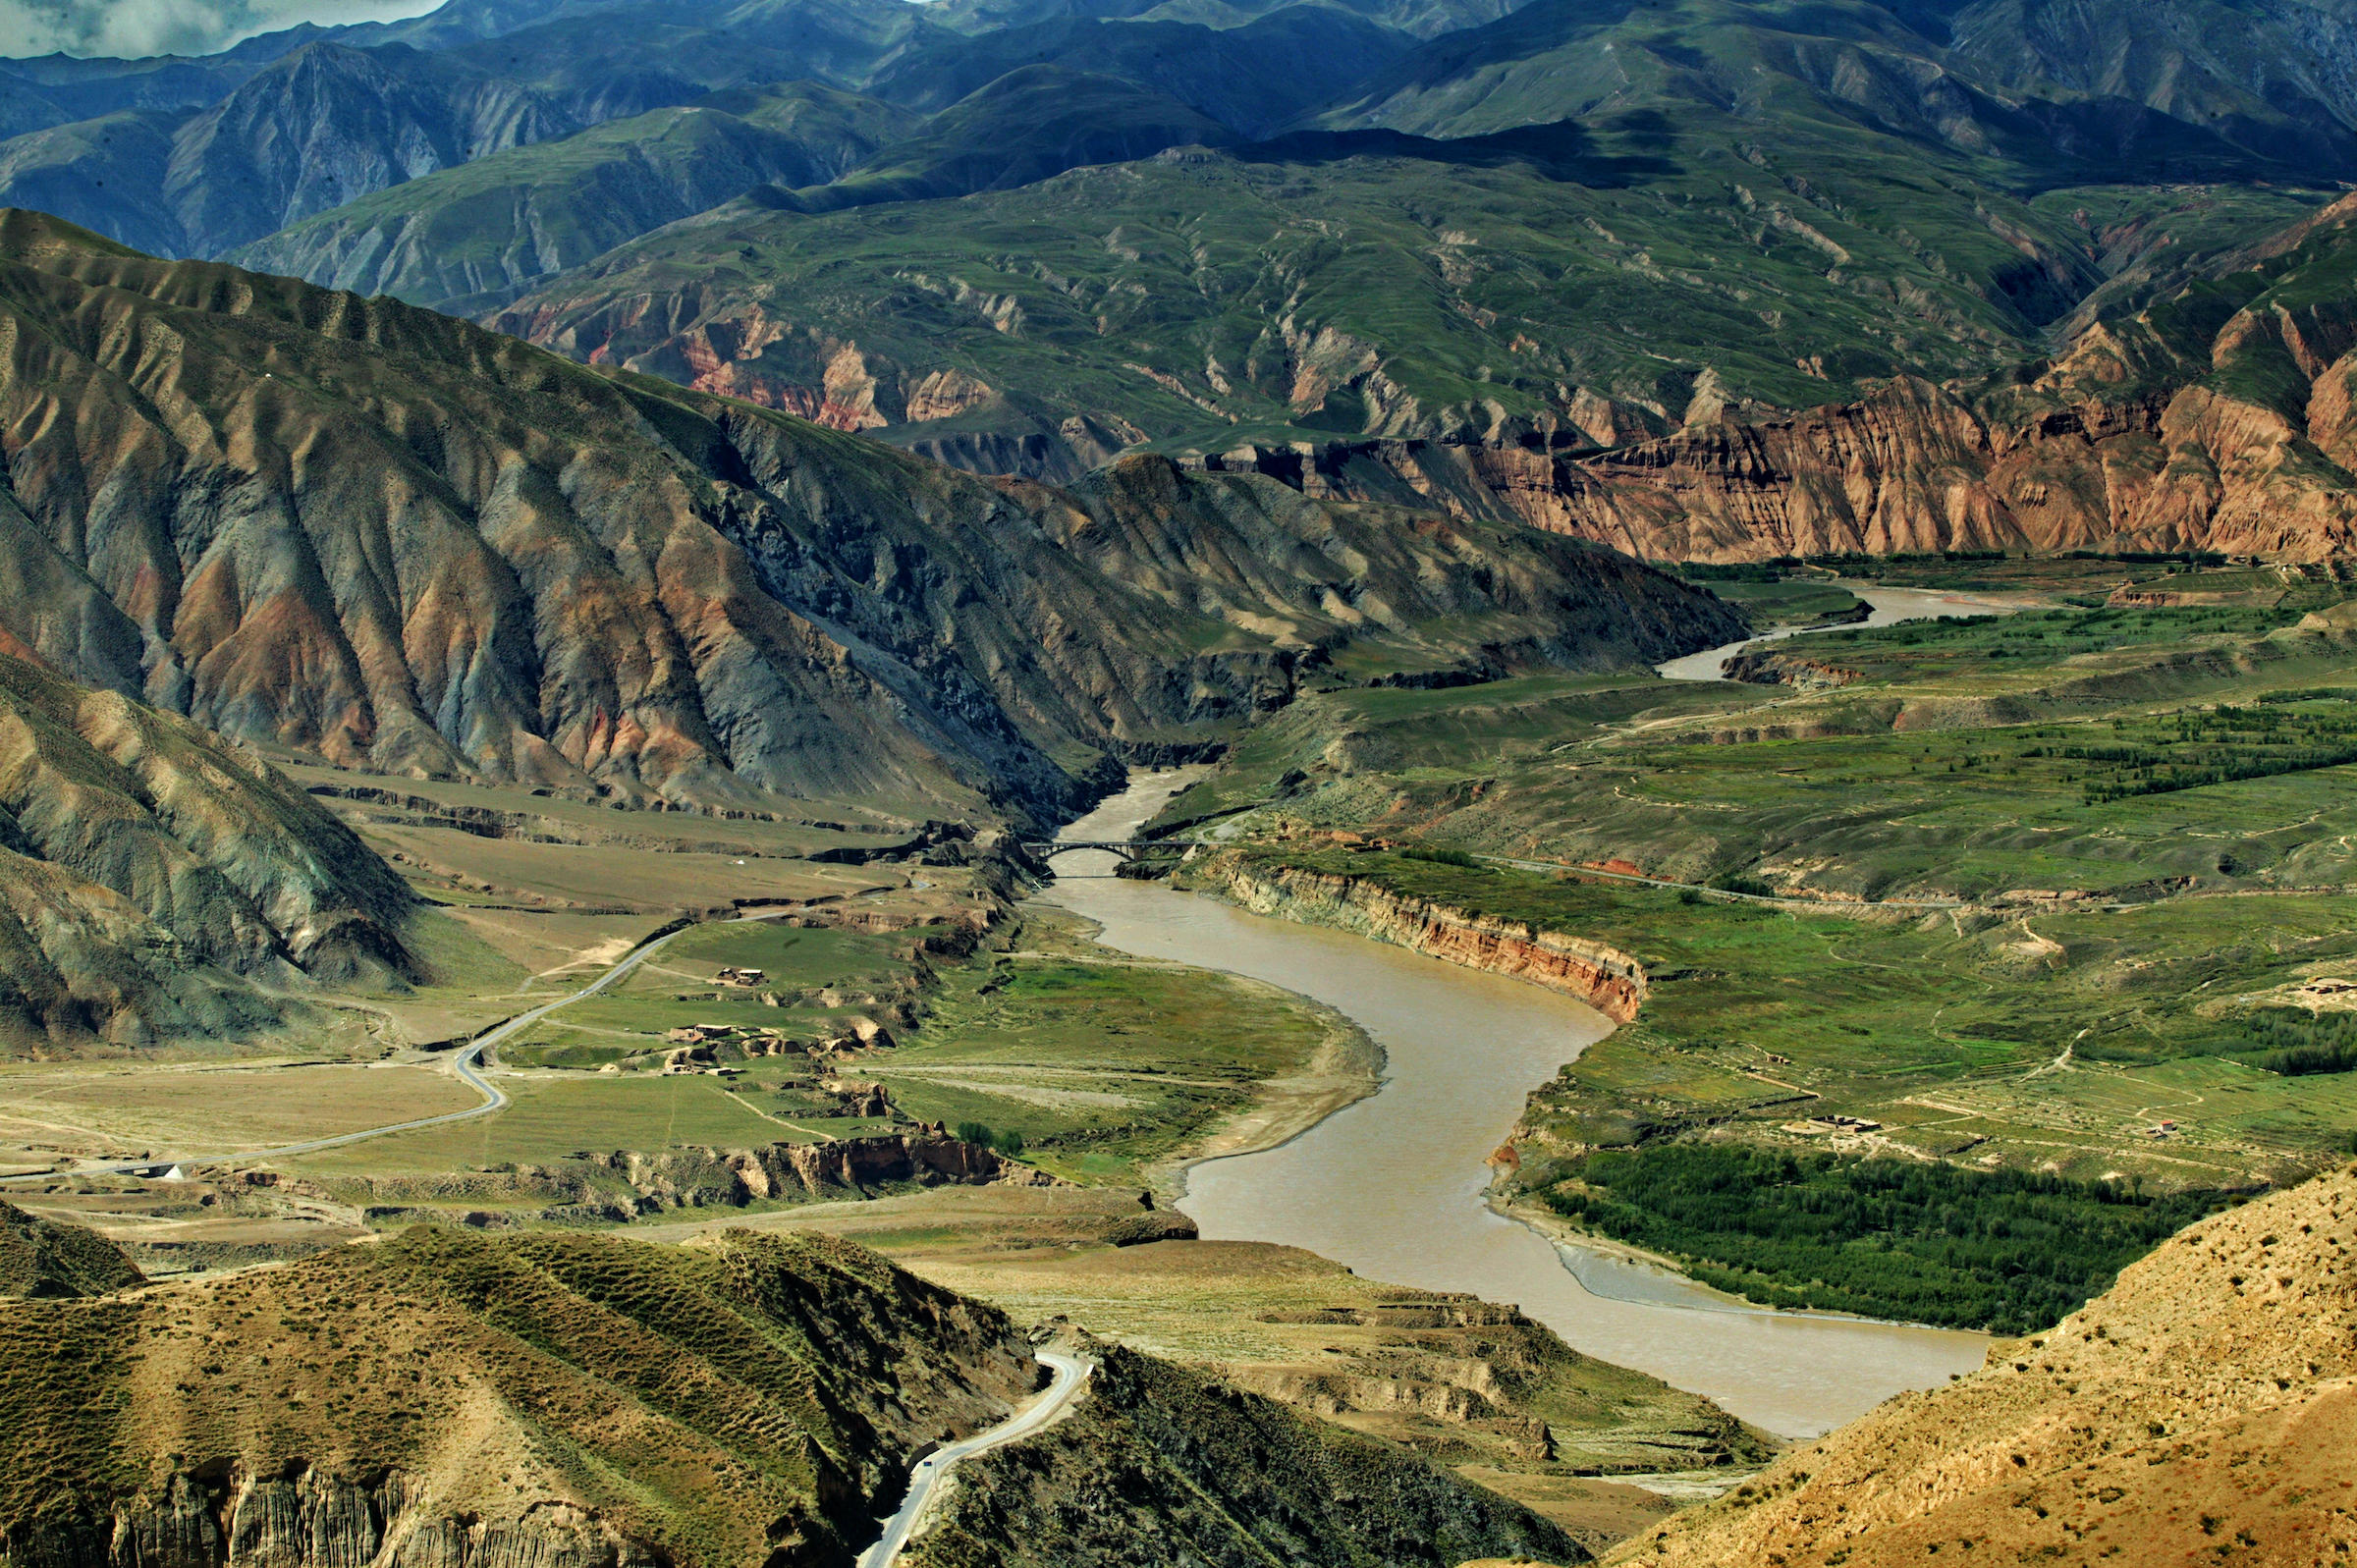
(1127, 848)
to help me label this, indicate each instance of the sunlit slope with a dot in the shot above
(2202, 1408)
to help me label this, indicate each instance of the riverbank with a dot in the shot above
(1394, 1186)
(1604, 977)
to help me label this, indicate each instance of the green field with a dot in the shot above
(1962, 758)
(1789, 602)
(1103, 1067)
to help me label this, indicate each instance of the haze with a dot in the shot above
(134, 29)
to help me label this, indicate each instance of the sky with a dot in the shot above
(134, 28)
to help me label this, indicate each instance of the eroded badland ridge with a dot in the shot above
(2219, 419)
(441, 1398)
(409, 544)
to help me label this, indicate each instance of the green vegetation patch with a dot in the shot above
(1094, 1069)
(2006, 1251)
(2298, 1044)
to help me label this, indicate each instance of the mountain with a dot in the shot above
(406, 543)
(328, 123)
(1026, 236)
(2202, 1409)
(308, 133)
(151, 878)
(1551, 282)
(2271, 79)
(446, 1397)
(46, 1258)
(488, 227)
(298, 123)
(1021, 127)
(2064, 94)
(1251, 78)
(108, 173)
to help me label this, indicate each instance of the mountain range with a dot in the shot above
(1026, 237)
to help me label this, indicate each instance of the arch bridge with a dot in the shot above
(1127, 848)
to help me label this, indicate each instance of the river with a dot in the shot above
(1393, 1185)
(1890, 606)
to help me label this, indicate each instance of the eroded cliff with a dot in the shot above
(2220, 418)
(1606, 978)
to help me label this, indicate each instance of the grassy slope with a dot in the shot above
(749, 1396)
(539, 208)
(45, 1258)
(712, 1402)
(1623, 219)
(2196, 1412)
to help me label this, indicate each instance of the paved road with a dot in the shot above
(462, 1065)
(1071, 1373)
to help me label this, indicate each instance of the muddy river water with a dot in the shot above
(1393, 1185)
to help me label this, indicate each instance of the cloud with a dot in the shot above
(133, 28)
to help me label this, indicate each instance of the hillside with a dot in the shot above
(152, 876)
(2217, 417)
(485, 227)
(2199, 1409)
(1565, 229)
(409, 544)
(43, 1258)
(1167, 1465)
(756, 1398)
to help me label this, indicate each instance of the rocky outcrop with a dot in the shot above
(2203, 1408)
(1764, 667)
(1606, 978)
(47, 1258)
(302, 1518)
(1161, 1225)
(840, 1167)
(2192, 426)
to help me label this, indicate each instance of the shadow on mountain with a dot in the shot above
(1563, 151)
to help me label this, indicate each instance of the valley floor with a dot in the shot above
(2128, 1011)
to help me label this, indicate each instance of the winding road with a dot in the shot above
(1071, 1373)
(464, 1065)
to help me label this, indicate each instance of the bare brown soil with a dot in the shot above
(2204, 1410)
